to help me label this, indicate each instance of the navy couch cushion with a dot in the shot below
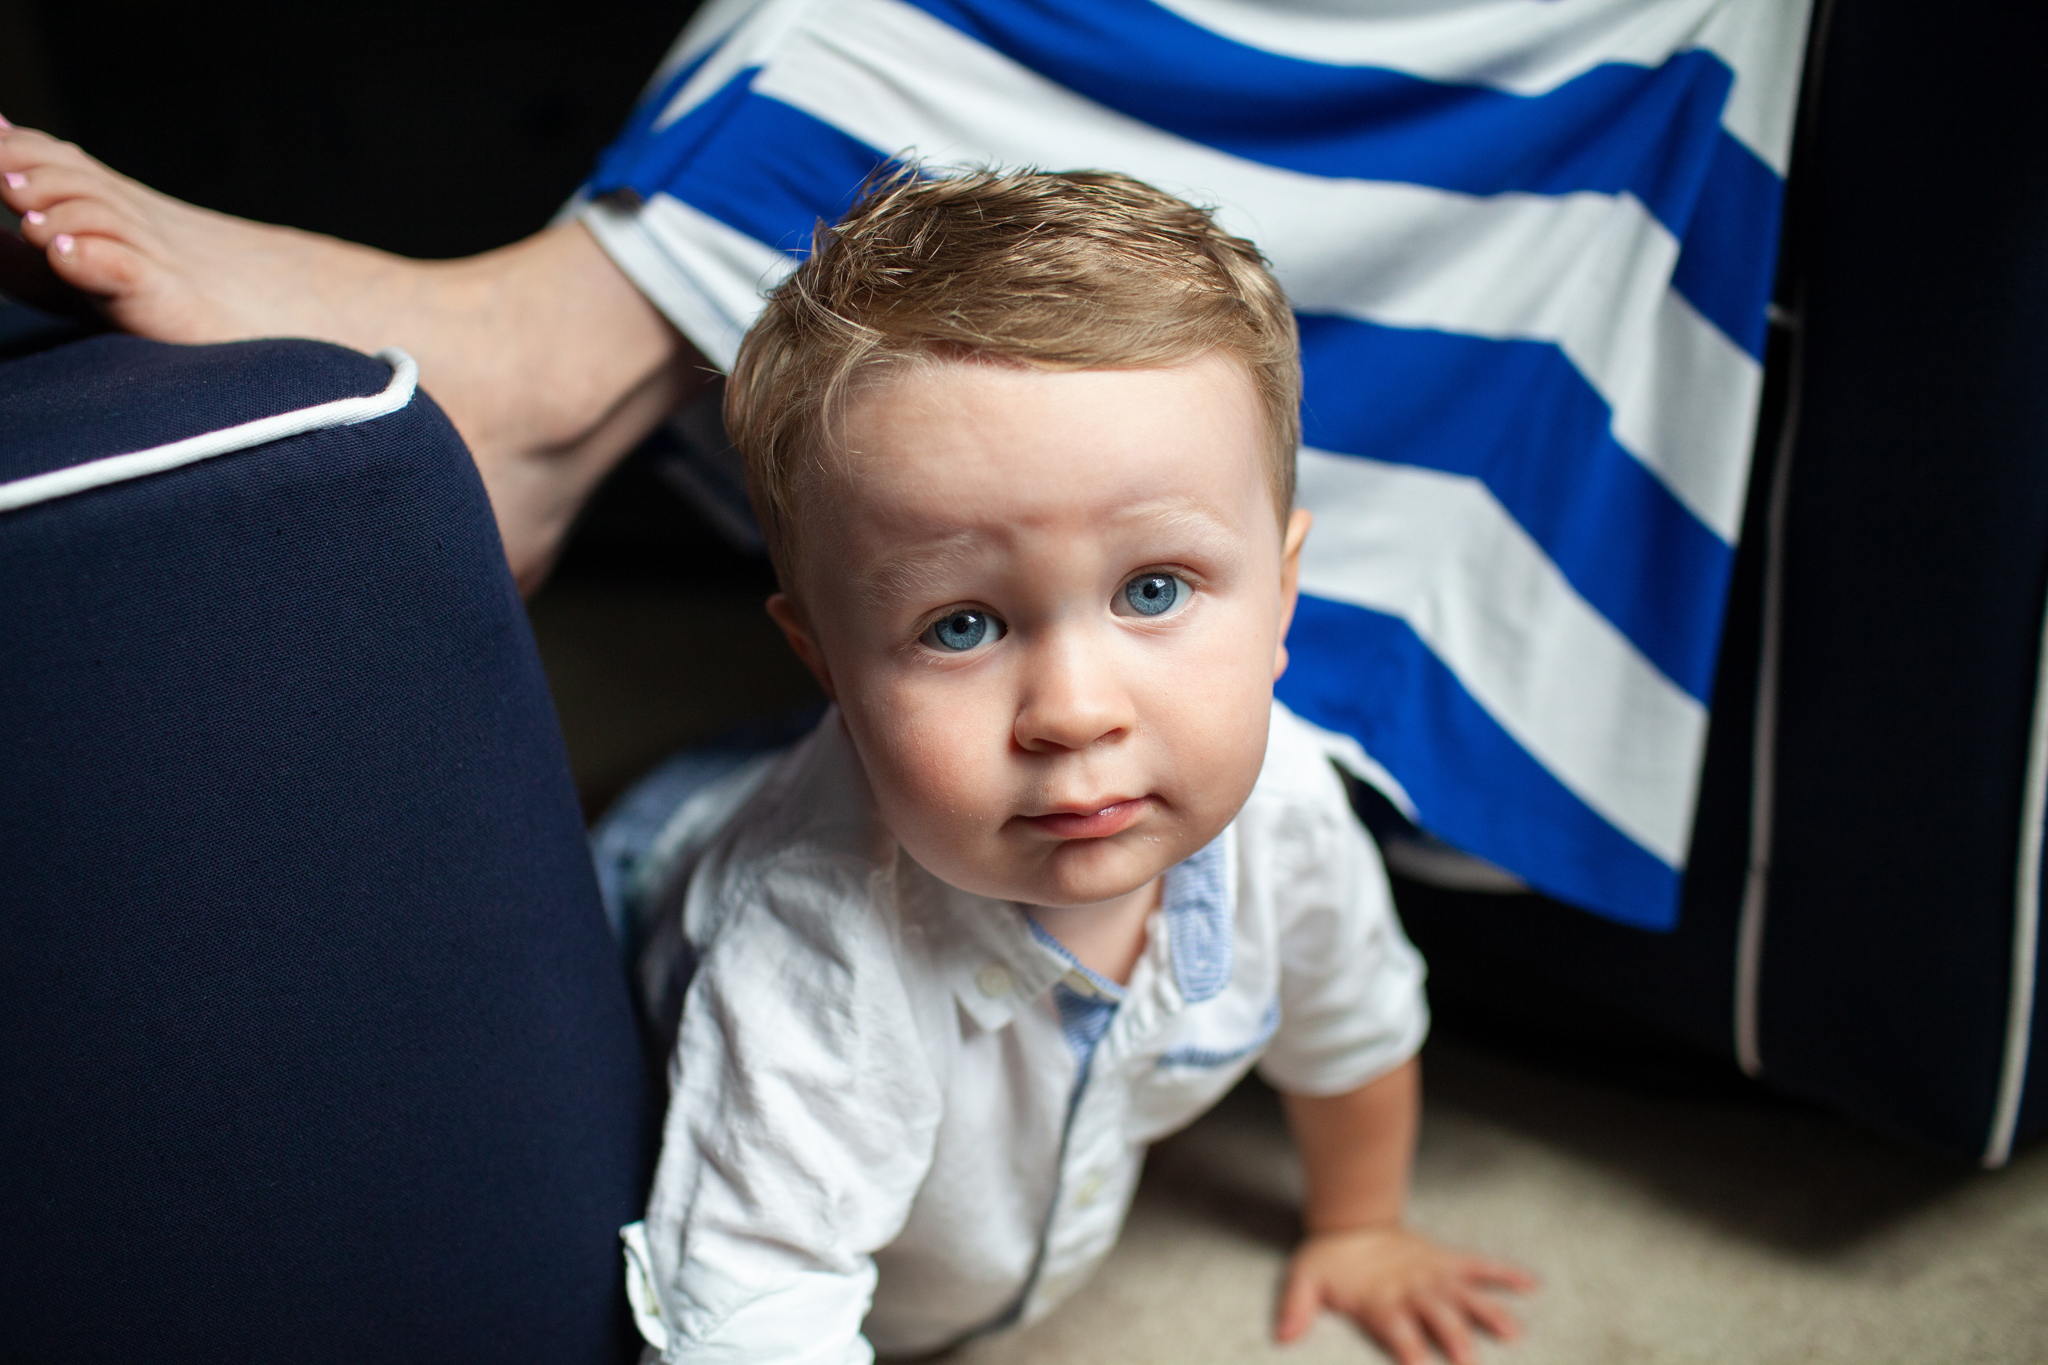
(313, 1041)
(1916, 560)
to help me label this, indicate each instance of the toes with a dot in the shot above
(100, 266)
(43, 187)
(75, 218)
(23, 149)
(88, 241)
(38, 172)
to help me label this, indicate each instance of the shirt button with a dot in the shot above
(992, 981)
(1087, 1190)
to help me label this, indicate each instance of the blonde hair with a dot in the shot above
(1075, 270)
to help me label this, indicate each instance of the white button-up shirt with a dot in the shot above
(901, 1114)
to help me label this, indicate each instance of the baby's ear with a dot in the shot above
(784, 611)
(1298, 522)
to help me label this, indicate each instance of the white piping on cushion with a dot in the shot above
(1756, 888)
(342, 412)
(2026, 928)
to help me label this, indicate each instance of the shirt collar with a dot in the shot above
(1082, 980)
(996, 958)
(1196, 907)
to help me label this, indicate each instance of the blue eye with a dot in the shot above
(963, 630)
(1155, 594)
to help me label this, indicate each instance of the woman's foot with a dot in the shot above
(160, 268)
(548, 360)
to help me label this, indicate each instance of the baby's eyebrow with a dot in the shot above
(914, 574)
(1179, 516)
(926, 570)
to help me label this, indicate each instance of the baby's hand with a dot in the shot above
(1403, 1289)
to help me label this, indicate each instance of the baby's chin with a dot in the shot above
(1078, 871)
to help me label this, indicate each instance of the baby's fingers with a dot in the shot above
(1494, 1318)
(1447, 1324)
(1300, 1301)
(1397, 1330)
(1500, 1274)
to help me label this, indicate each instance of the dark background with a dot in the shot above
(436, 129)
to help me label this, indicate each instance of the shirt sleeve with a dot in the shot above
(1351, 1000)
(800, 1125)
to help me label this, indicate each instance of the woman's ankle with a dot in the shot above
(555, 367)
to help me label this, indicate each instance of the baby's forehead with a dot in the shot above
(950, 455)
(1101, 505)
(1132, 411)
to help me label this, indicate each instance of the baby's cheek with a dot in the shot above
(1219, 721)
(935, 779)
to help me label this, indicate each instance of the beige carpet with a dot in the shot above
(1716, 1228)
(1665, 1229)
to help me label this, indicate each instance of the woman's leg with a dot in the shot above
(550, 363)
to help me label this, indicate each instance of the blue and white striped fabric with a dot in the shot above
(1530, 243)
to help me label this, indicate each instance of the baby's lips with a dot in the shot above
(1114, 818)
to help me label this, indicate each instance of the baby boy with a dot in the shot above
(1056, 870)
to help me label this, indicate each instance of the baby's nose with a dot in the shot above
(1072, 700)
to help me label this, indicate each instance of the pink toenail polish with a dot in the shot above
(33, 216)
(15, 180)
(65, 243)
